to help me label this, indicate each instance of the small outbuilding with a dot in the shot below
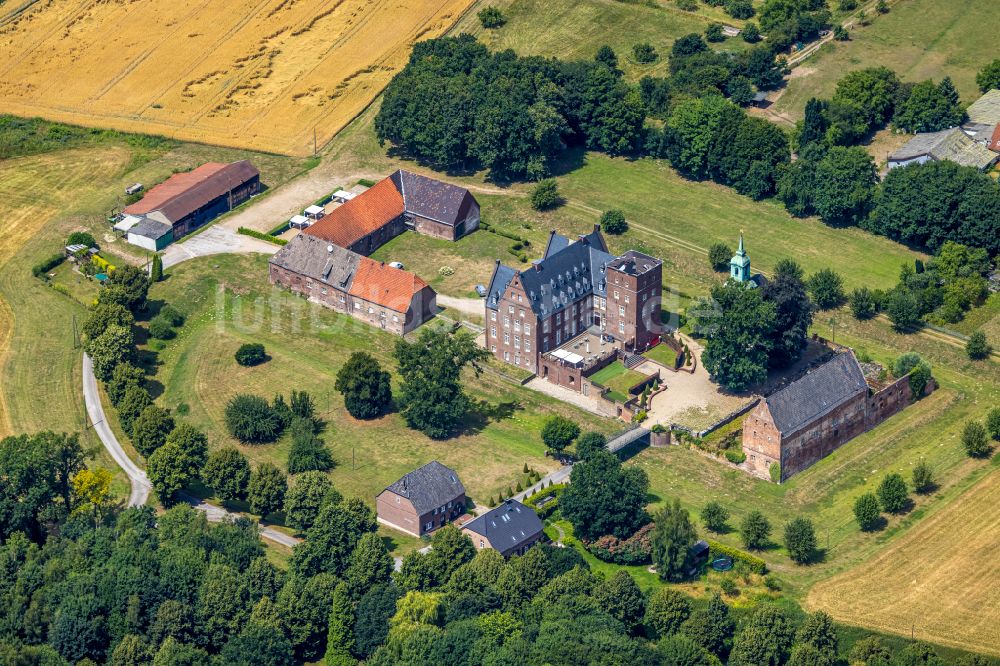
(299, 222)
(315, 212)
(151, 234)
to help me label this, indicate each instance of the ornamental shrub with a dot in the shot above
(251, 353)
(250, 419)
(637, 549)
(613, 222)
(545, 195)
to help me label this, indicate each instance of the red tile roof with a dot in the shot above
(175, 185)
(357, 218)
(386, 286)
(994, 143)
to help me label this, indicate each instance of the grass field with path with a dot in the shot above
(43, 198)
(575, 29)
(229, 302)
(919, 39)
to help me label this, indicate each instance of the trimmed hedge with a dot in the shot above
(550, 507)
(756, 565)
(264, 237)
(44, 267)
(637, 549)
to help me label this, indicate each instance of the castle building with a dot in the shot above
(578, 288)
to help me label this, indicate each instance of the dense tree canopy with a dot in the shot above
(928, 204)
(739, 325)
(605, 497)
(456, 103)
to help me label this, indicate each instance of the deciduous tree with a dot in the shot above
(227, 472)
(605, 498)
(867, 511)
(671, 541)
(266, 489)
(559, 432)
(755, 530)
(365, 386)
(892, 493)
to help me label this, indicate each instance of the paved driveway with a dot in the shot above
(215, 240)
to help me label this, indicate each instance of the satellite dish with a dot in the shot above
(329, 248)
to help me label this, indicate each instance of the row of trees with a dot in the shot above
(939, 291)
(456, 105)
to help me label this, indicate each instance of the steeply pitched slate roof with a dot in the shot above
(951, 144)
(318, 259)
(507, 526)
(568, 272)
(433, 199)
(429, 487)
(365, 213)
(816, 393)
(986, 109)
(184, 193)
(380, 283)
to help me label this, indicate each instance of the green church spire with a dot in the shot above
(739, 265)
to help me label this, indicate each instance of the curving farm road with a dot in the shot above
(141, 486)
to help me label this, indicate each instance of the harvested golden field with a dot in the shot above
(262, 74)
(938, 580)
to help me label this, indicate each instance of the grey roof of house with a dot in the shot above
(568, 272)
(318, 259)
(950, 144)
(986, 109)
(429, 487)
(816, 393)
(433, 199)
(150, 229)
(507, 526)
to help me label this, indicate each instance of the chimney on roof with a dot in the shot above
(597, 227)
(583, 239)
(537, 264)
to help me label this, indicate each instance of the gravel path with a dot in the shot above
(215, 240)
(95, 410)
(469, 306)
(141, 486)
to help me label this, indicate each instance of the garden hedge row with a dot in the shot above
(755, 564)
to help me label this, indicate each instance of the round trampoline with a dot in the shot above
(722, 563)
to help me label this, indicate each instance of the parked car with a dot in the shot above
(396, 264)
(481, 290)
(132, 189)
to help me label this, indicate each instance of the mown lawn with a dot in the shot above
(618, 379)
(575, 29)
(229, 302)
(928, 430)
(919, 39)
